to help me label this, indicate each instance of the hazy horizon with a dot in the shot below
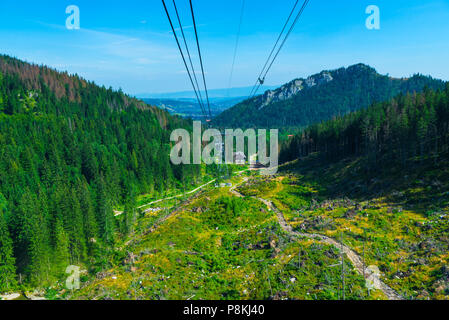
(131, 46)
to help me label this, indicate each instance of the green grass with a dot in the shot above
(221, 247)
(403, 229)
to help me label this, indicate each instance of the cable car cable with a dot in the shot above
(190, 58)
(201, 59)
(236, 46)
(284, 41)
(261, 78)
(274, 48)
(182, 53)
(286, 37)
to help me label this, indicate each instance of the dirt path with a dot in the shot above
(176, 210)
(235, 193)
(11, 296)
(118, 213)
(355, 259)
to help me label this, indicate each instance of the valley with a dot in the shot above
(283, 237)
(224, 159)
(230, 247)
(358, 209)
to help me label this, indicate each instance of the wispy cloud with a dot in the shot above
(132, 48)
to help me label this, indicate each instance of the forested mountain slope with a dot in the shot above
(70, 152)
(382, 174)
(370, 186)
(389, 132)
(320, 97)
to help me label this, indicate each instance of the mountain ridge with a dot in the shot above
(65, 85)
(319, 97)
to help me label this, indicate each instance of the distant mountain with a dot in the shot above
(320, 97)
(190, 108)
(213, 94)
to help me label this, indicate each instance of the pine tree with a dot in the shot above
(32, 247)
(2, 99)
(89, 164)
(89, 221)
(129, 214)
(105, 215)
(7, 262)
(61, 252)
(75, 227)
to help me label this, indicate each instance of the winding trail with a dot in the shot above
(355, 259)
(236, 193)
(118, 213)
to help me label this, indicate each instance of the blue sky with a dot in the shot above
(128, 44)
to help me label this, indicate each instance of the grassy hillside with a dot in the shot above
(217, 245)
(380, 177)
(220, 246)
(398, 220)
